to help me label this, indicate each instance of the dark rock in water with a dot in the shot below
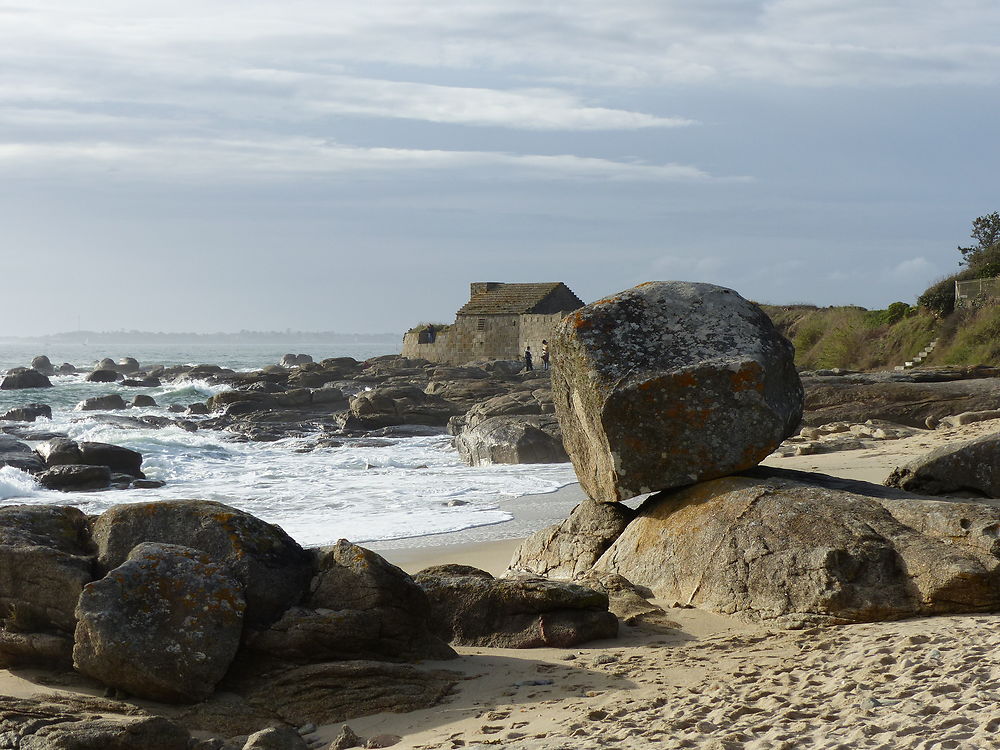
(795, 551)
(147, 484)
(116, 458)
(106, 364)
(142, 400)
(670, 383)
(23, 377)
(103, 376)
(360, 607)
(46, 724)
(175, 408)
(163, 625)
(45, 561)
(144, 383)
(102, 403)
(969, 466)
(272, 567)
(512, 440)
(128, 365)
(197, 408)
(28, 413)
(292, 360)
(20, 456)
(472, 608)
(43, 365)
(116, 420)
(76, 477)
(569, 549)
(67, 369)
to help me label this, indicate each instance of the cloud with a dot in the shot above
(534, 109)
(918, 267)
(297, 157)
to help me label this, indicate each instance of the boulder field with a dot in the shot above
(195, 602)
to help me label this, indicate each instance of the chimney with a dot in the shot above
(478, 287)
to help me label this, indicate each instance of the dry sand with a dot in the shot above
(712, 682)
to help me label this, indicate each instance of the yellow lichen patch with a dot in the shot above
(747, 378)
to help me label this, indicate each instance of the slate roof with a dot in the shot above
(522, 299)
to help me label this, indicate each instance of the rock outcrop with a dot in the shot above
(971, 467)
(795, 552)
(163, 625)
(110, 402)
(569, 549)
(45, 561)
(472, 608)
(19, 455)
(274, 570)
(670, 383)
(512, 440)
(358, 607)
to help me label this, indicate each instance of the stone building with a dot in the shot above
(497, 322)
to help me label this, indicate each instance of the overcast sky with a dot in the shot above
(352, 166)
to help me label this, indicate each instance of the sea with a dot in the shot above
(415, 487)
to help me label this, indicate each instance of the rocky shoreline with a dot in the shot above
(196, 603)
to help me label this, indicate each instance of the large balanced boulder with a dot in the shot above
(163, 625)
(670, 383)
(43, 364)
(972, 466)
(274, 570)
(45, 561)
(472, 608)
(24, 377)
(359, 607)
(796, 551)
(75, 477)
(569, 549)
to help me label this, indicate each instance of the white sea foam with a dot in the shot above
(17, 485)
(413, 487)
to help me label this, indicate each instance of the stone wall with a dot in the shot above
(473, 338)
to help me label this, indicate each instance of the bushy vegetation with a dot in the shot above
(853, 337)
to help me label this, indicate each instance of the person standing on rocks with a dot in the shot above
(545, 354)
(527, 359)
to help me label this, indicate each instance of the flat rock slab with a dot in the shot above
(777, 549)
(670, 383)
(472, 608)
(969, 466)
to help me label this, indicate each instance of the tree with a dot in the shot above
(986, 233)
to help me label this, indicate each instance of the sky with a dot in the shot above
(349, 166)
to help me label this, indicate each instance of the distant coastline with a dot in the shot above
(255, 337)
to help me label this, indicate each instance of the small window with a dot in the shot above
(481, 324)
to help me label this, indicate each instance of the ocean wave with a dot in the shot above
(15, 483)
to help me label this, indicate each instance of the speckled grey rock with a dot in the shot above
(972, 465)
(164, 625)
(272, 567)
(276, 738)
(792, 552)
(670, 383)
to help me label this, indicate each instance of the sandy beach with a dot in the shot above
(700, 680)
